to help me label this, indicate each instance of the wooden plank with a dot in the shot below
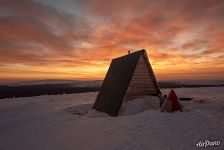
(142, 83)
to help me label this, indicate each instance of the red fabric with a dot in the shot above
(175, 104)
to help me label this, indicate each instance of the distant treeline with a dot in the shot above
(9, 91)
(44, 89)
(166, 85)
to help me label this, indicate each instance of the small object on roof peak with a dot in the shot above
(129, 51)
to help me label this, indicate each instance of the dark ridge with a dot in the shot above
(10, 91)
(7, 91)
(185, 99)
(166, 85)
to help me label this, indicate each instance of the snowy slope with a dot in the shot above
(61, 122)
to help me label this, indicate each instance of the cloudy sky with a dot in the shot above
(76, 39)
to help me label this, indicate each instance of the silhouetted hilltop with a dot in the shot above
(54, 87)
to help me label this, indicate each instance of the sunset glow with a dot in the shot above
(77, 39)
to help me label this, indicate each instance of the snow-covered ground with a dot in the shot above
(66, 122)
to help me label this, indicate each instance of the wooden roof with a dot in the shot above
(116, 82)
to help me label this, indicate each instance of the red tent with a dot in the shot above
(172, 103)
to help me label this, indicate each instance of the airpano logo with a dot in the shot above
(208, 143)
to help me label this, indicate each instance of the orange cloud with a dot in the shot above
(184, 38)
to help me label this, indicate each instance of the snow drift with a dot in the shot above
(49, 123)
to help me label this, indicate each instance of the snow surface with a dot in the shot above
(66, 122)
(139, 105)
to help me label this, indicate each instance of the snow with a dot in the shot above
(201, 92)
(56, 122)
(139, 105)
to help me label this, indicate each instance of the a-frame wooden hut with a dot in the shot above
(129, 77)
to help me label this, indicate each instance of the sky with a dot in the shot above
(77, 39)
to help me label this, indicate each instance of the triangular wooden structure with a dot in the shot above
(171, 103)
(129, 77)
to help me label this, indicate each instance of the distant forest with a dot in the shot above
(10, 91)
